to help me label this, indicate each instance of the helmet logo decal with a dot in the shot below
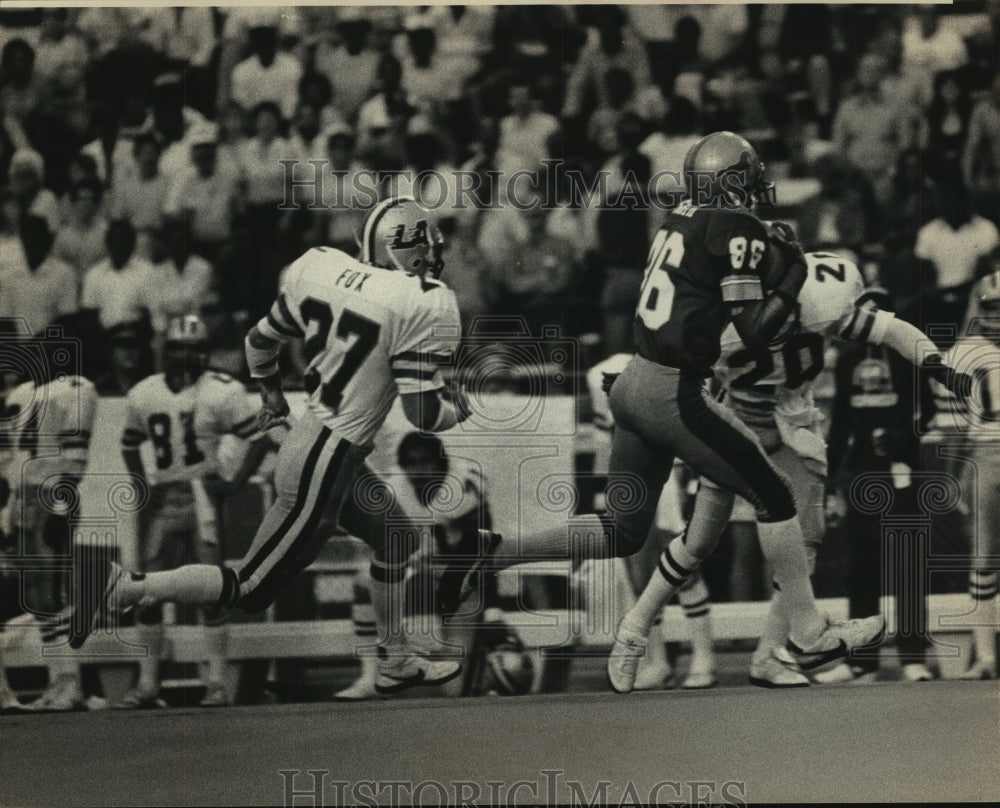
(403, 241)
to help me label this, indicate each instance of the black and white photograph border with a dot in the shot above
(565, 404)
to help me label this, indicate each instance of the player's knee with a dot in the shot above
(151, 615)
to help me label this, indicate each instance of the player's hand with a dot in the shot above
(274, 409)
(607, 381)
(784, 241)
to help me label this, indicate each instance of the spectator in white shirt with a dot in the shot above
(351, 65)
(957, 246)
(306, 141)
(930, 48)
(116, 288)
(81, 241)
(140, 197)
(268, 75)
(315, 89)
(181, 283)
(383, 118)
(264, 173)
(205, 195)
(34, 284)
(525, 133)
(27, 169)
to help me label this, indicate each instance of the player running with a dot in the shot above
(372, 329)
(771, 392)
(184, 412)
(706, 270)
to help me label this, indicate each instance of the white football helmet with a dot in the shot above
(400, 234)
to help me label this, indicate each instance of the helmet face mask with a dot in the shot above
(399, 234)
(186, 348)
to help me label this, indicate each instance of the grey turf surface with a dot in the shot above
(890, 741)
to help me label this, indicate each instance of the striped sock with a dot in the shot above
(698, 610)
(983, 591)
(676, 564)
(982, 584)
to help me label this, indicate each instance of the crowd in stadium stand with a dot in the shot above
(141, 149)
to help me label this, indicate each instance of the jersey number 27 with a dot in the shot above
(350, 323)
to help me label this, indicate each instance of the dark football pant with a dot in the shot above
(661, 413)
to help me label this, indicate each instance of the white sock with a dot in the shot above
(388, 591)
(149, 664)
(698, 611)
(193, 585)
(784, 549)
(216, 648)
(675, 565)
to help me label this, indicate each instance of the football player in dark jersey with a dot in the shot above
(712, 262)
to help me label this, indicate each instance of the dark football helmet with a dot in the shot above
(724, 168)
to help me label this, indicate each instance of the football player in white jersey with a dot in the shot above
(48, 427)
(184, 412)
(771, 392)
(372, 328)
(976, 422)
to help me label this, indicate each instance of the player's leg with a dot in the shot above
(697, 607)
(366, 635)
(724, 450)
(770, 666)
(163, 536)
(409, 652)
(654, 669)
(985, 530)
(215, 625)
(312, 470)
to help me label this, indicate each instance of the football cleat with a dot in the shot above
(396, 674)
(460, 578)
(777, 670)
(215, 696)
(623, 662)
(363, 689)
(141, 698)
(917, 672)
(61, 696)
(650, 676)
(699, 679)
(838, 639)
(836, 674)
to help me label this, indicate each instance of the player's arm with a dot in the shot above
(263, 346)
(241, 417)
(429, 341)
(134, 435)
(866, 323)
(759, 313)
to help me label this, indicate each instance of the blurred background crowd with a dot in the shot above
(141, 149)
